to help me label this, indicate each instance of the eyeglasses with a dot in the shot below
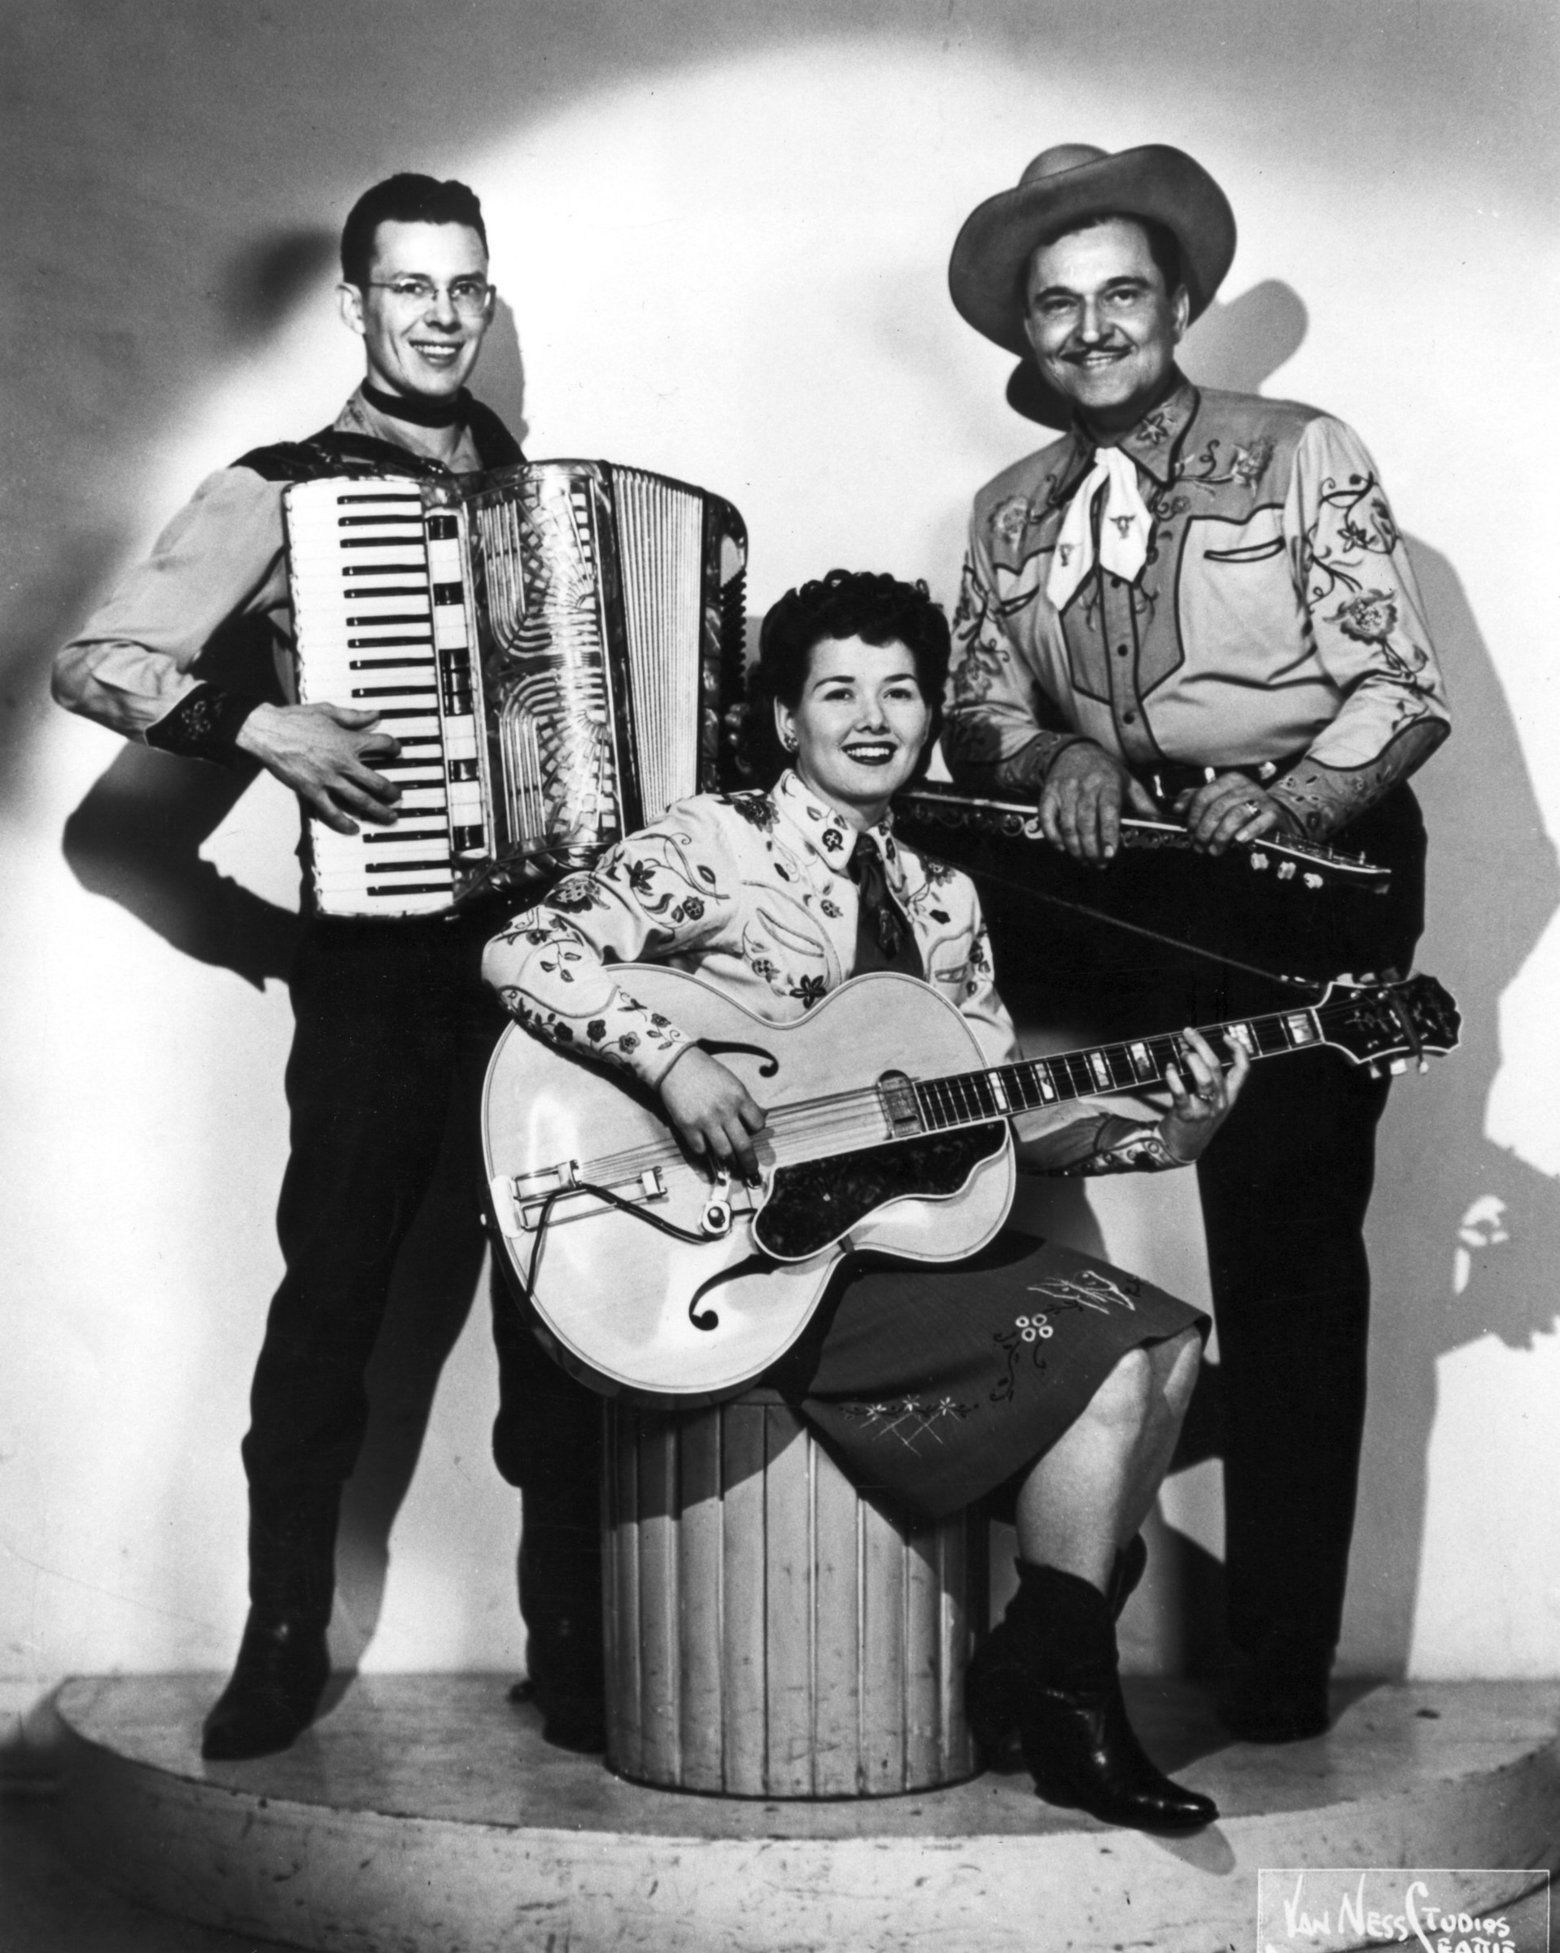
(469, 296)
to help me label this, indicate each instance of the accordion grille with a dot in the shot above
(554, 729)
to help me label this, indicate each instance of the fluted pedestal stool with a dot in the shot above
(769, 1632)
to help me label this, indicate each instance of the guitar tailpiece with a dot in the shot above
(623, 1206)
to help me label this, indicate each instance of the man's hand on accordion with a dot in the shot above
(325, 754)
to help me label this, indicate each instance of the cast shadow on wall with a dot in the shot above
(1462, 1232)
(137, 839)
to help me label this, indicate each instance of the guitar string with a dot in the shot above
(838, 1115)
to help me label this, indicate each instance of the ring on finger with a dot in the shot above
(1251, 806)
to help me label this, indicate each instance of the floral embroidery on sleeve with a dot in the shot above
(992, 735)
(1141, 1151)
(1355, 580)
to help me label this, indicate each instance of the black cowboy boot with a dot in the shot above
(995, 1675)
(283, 1661)
(1077, 1740)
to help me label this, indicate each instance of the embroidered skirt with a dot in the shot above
(936, 1385)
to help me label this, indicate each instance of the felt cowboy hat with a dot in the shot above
(1064, 186)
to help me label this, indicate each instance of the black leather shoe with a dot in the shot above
(569, 1722)
(274, 1690)
(1083, 1753)
(994, 1679)
(1281, 1694)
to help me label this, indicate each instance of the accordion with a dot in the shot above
(557, 648)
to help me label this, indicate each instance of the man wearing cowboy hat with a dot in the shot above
(1198, 603)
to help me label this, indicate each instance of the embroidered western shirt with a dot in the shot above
(753, 891)
(1275, 617)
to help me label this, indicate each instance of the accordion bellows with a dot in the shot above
(556, 646)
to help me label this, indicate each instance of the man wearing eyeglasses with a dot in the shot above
(192, 653)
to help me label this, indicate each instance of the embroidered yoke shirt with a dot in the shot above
(1275, 617)
(753, 892)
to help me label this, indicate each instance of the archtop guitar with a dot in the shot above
(886, 1131)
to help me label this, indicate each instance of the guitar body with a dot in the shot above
(628, 1306)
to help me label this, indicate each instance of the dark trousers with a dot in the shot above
(1284, 1191)
(1284, 1186)
(393, 1030)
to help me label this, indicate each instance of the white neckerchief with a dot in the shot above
(1124, 528)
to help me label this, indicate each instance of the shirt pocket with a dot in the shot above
(1222, 543)
(1236, 604)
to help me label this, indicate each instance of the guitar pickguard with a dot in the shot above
(813, 1204)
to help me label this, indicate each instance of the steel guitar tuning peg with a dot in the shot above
(1397, 1067)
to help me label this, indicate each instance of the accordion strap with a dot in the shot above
(334, 451)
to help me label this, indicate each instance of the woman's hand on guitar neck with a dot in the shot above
(1200, 1102)
(715, 1115)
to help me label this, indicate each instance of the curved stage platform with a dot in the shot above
(423, 1814)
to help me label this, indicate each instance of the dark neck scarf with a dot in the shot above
(884, 938)
(443, 412)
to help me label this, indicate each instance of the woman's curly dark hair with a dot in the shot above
(868, 604)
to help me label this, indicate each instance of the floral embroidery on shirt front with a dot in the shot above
(755, 808)
(1011, 518)
(575, 894)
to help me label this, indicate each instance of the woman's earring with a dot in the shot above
(788, 741)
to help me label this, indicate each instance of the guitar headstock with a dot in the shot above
(1378, 1022)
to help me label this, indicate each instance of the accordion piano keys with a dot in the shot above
(382, 627)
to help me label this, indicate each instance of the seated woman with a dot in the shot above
(777, 897)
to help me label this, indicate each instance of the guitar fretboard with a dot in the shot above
(965, 1098)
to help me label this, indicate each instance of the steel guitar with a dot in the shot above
(885, 1131)
(932, 806)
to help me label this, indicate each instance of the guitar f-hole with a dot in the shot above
(708, 1319)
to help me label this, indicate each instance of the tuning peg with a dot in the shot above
(1424, 1064)
(1376, 1072)
(1397, 1067)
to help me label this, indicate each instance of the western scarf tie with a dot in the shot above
(1125, 525)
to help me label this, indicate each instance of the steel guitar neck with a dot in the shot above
(1307, 866)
